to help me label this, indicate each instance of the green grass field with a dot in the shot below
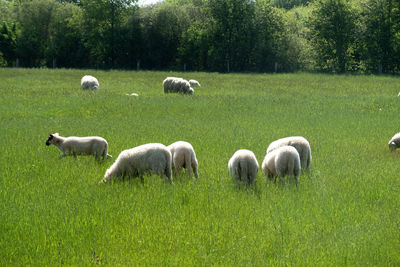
(55, 212)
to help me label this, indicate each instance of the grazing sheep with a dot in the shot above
(281, 162)
(194, 83)
(300, 143)
(183, 156)
(177, 85)
(91, 145)
(89, 82)
(133, 94)
(394, 142)
(243, 166)
(137, 161)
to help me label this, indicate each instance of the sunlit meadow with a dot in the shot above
(55, 212)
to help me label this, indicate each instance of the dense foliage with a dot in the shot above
(213, 35)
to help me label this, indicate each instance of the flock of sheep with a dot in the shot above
(170, 84)
(135, 162)
(284, 157)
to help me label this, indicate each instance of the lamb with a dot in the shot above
(394, 143)
(133, 94)
(177, 85)
(183, 156)
(243, 166)
(194, 83)
(91, 145)
(137, 161)
(89, 82)
(300, 143)
(281, 162)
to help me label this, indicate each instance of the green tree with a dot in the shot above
(289, 4)
(269, 36)
(163, 35)
(195, 46)
(7, 12)
(295, 51)
(332, 31)
(8, 43)
(66, 39)
(232, 33)
(3, 63)
(381, 20)
(103, 22)
(34, 18)
(195, 40)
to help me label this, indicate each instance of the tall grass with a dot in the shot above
(54, 212)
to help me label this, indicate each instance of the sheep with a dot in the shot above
(177, 85)
(89, 82)
(394, 142)
(91, 145)
(300, 143)
(194, 83)
(281, 162)
(133, 94)
(243, 166)
(183, 156)
(137, 161)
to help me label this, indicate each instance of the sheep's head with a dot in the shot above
(107, 176)
(392, 146)
(51, 140)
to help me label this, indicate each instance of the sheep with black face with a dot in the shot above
(73, 145)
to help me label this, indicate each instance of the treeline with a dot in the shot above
(336, 36)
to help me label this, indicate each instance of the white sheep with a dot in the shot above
(183, 156)
(194, 83)
(133, 94)
(177, 85)
(300, 143)
(281, 162)
(91, 145)
(89, 82)
(243, 166)
(140, 160)
(394, 143)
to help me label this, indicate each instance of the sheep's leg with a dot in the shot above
(188, 165)
(61, 156)
(178, 168)
(194, 167)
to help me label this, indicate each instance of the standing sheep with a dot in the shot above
(137, 161)
(91, 145)
(281, 162)
(177, 85)
(89, 82)
(243, 166)
(394, 143)
(300, 143)
(194, 83)
(183, 156)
